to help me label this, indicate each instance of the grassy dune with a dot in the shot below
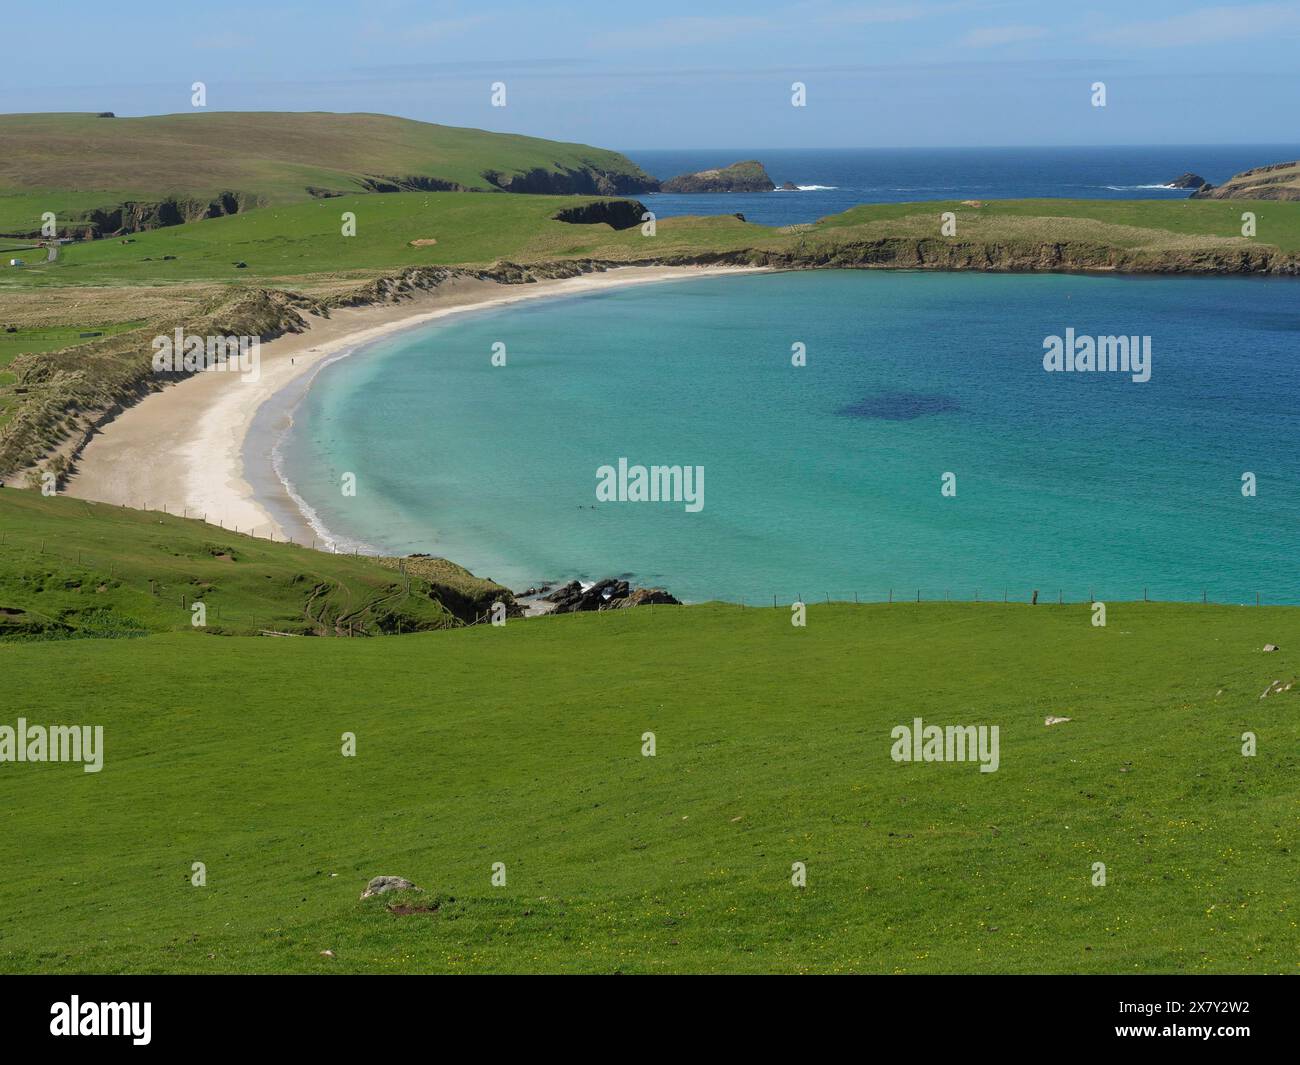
(72, 569)
(522, 745)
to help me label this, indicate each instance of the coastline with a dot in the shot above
(203, 447)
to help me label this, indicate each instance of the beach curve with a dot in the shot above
(184, 448)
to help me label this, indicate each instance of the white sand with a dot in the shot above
(183, 448)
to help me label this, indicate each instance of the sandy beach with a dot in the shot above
(183, 448)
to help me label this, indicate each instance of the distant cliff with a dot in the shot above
(587, 180)
(1280, 181)
(748, 176)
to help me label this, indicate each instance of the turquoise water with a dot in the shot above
(825, 479)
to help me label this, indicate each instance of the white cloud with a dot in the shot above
(1208, 25)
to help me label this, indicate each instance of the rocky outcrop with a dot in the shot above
(380, 885)
(610, 594)
(747, 176)
(563, 181)
(1280, 181)
(410, 183)
(1188, 181)
(642, 597)
(135, 216)
(617, 214)
(465, 596)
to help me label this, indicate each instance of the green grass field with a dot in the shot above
(522, 745)
(303, 240)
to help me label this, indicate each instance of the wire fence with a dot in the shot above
(1030, 596)
(230, 615)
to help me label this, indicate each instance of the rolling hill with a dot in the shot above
(106, 175)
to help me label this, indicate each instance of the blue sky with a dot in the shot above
(688, 75)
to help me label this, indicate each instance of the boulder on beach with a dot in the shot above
(612, 593)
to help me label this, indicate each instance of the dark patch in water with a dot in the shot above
(900, 406)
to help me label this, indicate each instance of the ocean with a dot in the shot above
(835, 180)
(828, 479)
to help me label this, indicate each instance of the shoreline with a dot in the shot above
(193, 447)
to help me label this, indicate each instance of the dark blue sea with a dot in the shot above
(833, 180)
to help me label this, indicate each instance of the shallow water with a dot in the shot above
(826, 479)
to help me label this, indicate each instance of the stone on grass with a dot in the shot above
(380, 884)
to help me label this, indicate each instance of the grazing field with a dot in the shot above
(523, 745)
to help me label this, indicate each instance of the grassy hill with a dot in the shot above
(1280, 181)
(485, 745)
(71, 569)
(203, 163)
